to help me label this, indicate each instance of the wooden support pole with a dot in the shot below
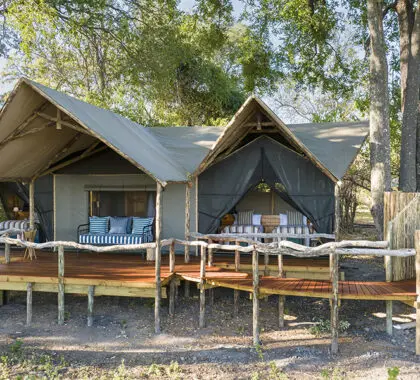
(255, 299)
(172, 284)
(2, 295)
(28, 303)
(197, 213)
(187, 233)
(186, 289)
(210, 254)
(158, 256)
(417, 246)
(337, 213)
(211, 297)
(210, 263)
(266, 262)
(172, 295)
(32, 204)
(237, 258)
(187, 221)
(388, 273)
(282, 299)
(334, 302)
(6, 252)
(202, 322)
(266, 269)
(60, 285)
(236, 293)
(172, 257)
(91, 296)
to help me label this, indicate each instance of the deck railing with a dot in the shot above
(277, 248)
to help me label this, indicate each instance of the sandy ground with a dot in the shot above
(122, 345)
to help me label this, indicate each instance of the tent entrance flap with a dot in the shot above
(264, 160)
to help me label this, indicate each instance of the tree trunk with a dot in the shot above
(378, 114)
(409, 25)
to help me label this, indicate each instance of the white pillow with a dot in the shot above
(256, 219)
(235, 216)
(283, 219)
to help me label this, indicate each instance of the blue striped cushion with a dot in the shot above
(110, 239)
(118, 225)
(18, 224)
(245, 217)
(98, 225)
(140, 223)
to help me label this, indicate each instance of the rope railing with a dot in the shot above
(12, 231)
(260, 235)
(284, 247)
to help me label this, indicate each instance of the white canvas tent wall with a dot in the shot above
(41, 129)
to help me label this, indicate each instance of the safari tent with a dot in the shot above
(80, 160)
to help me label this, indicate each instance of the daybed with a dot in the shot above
(116, 231)
(15, 224)
(292, 222)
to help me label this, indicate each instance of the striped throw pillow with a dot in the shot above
(98, 225)
(294, 217)
(140, 223)
(245, 217)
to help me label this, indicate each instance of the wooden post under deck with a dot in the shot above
(158, 256)
(282, 299)
(334, 302)
(236, 293)
(210, 253)
(32, 204)
(60, 285)
(388, 272)
(6, 252)
(417, 246)
(210, 263)
(334, 264)
(202, 322)
(91, 297)
(255, 299)
(266, 269)
(187, 233)
(172, 285)
(28, 303)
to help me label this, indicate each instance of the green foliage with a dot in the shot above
(16, 347)
(393, 373)
(309, 50)
(332, 374)
(121, 372)
(147, 60)
(276, 373)
(323, 326)
(259, 351)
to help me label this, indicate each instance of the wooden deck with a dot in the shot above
(111, 274)
(130, 275)
(314, 269)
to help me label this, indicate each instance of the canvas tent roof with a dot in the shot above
(168, 154)
(334, 144)
(187, 145)
(330, 146)
(135, 143)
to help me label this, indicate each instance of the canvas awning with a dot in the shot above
(27, 145)
(31, 144)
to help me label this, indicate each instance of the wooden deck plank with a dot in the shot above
(119, 274)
